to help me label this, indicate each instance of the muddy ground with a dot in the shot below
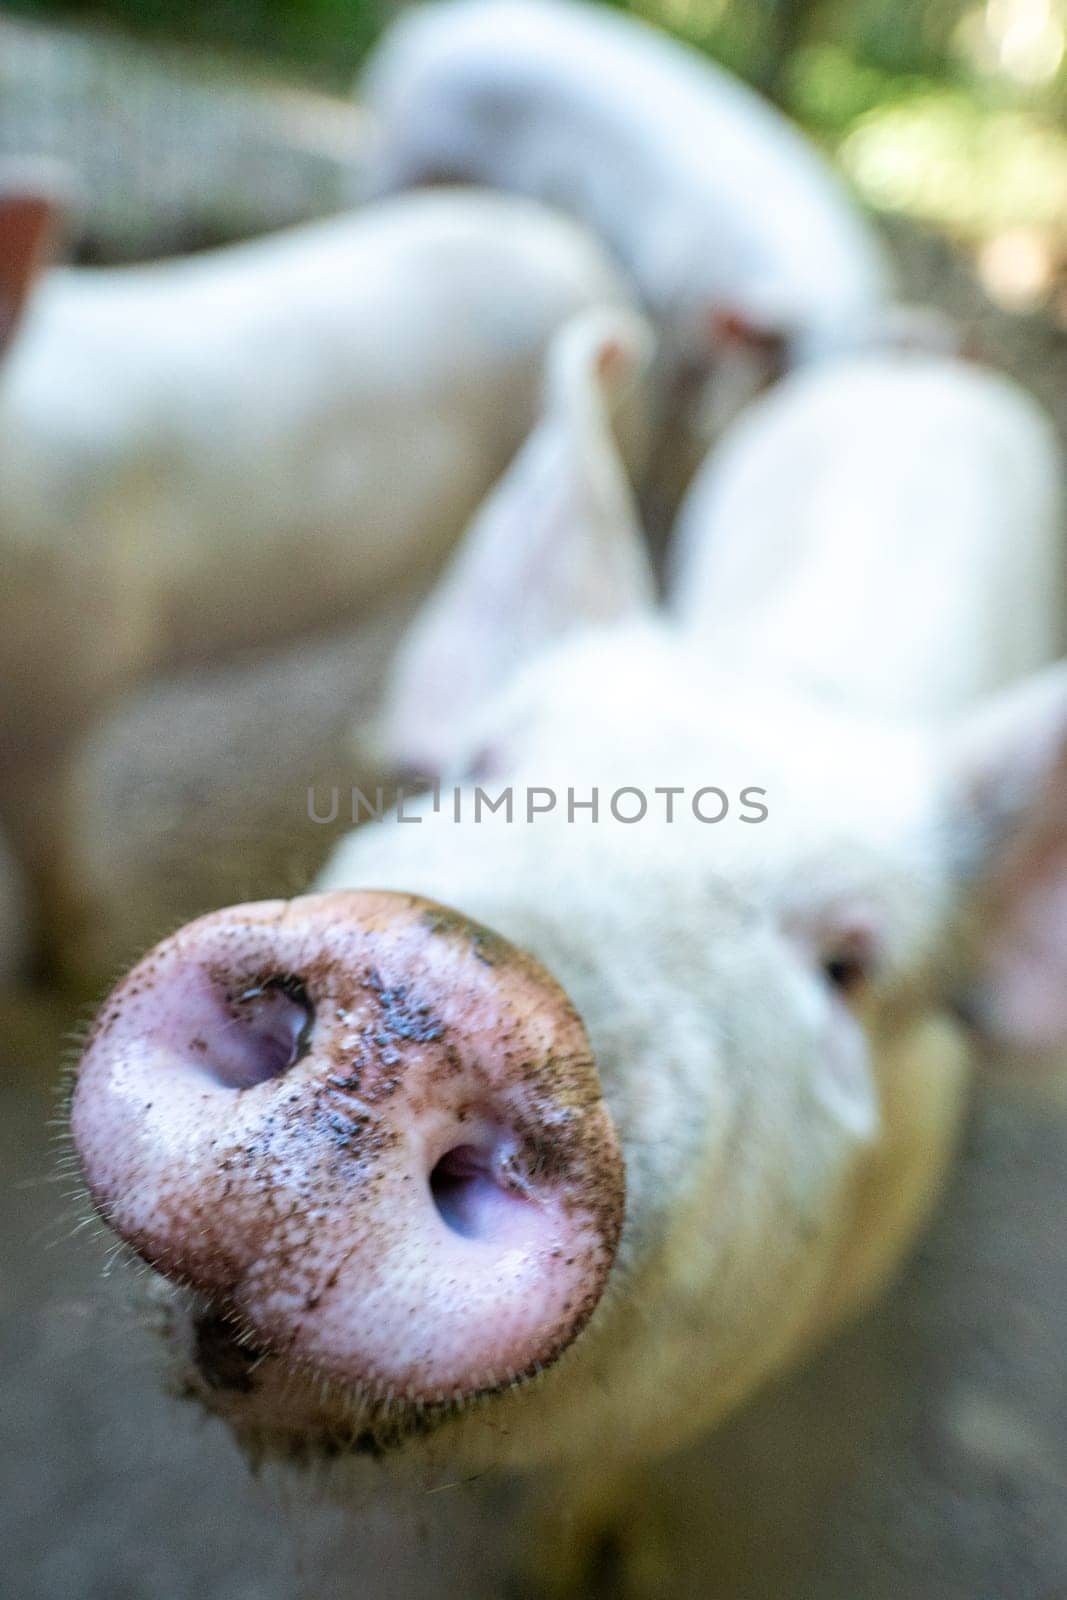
(922, 1457)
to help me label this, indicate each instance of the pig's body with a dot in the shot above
(711, 200)
(232, 448)
(772, 1001)
(912, 516)
(743, 246)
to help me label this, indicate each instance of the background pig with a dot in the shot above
(233, 448)
(231, 436)
(867, 458)
(772, 1003)
(662, 152)
(194, 791)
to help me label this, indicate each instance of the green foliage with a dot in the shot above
(326, 38)
(951, 112)
(832, 63)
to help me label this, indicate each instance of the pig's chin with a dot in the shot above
(275, 1408)
(280, 1411)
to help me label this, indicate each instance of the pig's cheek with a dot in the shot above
(844, 1076)
(841, 1076)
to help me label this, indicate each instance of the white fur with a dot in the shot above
(706, 194)
(201, 454)
(782, 1140)
(886, 531)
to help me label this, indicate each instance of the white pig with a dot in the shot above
(867, 457)
(739, 237)
(201, 454)
(193, 790)
(205, 454)
(370, 1140)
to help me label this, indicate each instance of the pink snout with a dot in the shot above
(367, 1129)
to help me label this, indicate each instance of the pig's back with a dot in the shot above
(880, 512)
(287, 428)
(659, 149)
(406, 286)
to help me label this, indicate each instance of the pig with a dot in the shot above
(230, 449)
(850, 500)
(228, 783)
(193, 790)
(741, 241)
(540, 1136)
(231, 434)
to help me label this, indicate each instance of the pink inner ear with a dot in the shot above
(27, 228)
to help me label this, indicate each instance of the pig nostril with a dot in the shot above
(476, 1197)
(276, 1018)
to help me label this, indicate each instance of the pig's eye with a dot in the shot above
(850, 963)
(843, 943)
(845, 973)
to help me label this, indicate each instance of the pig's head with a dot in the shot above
(372, 1140)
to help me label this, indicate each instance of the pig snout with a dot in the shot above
(366, 1129)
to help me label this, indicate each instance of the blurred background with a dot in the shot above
(924, 1455)
(948, 112)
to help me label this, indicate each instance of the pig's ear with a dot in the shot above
(1009, 819)
(33, 202)
(556, 547)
